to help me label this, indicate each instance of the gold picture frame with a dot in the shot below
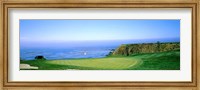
(193, 4)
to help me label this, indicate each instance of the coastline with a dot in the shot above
(123, 49)
(167, 60)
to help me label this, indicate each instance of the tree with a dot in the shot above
(40, 58)
(158, 46)
(126, 51)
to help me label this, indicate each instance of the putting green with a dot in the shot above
(100, 63)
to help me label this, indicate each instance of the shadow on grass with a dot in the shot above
(167, 61)
(42, 65)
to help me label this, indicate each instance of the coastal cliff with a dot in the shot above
(131, 49)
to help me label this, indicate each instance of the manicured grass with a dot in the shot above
(159, 61)
(151, 61)
(100, 63)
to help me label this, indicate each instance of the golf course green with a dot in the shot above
(169, 60)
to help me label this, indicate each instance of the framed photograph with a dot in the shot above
(100, 44)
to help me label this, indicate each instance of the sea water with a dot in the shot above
(65, 52)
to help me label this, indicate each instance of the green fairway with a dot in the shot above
(151, 61)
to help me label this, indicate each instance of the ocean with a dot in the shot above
(81, 49)
(65, 53)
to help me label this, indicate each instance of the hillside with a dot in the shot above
(131, 49)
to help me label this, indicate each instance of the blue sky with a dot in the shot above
(62, 33)
(84, 30)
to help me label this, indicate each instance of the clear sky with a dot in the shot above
(84, 30)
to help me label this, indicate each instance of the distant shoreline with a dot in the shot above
(112, 50)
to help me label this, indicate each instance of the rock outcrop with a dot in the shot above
(131, 49)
